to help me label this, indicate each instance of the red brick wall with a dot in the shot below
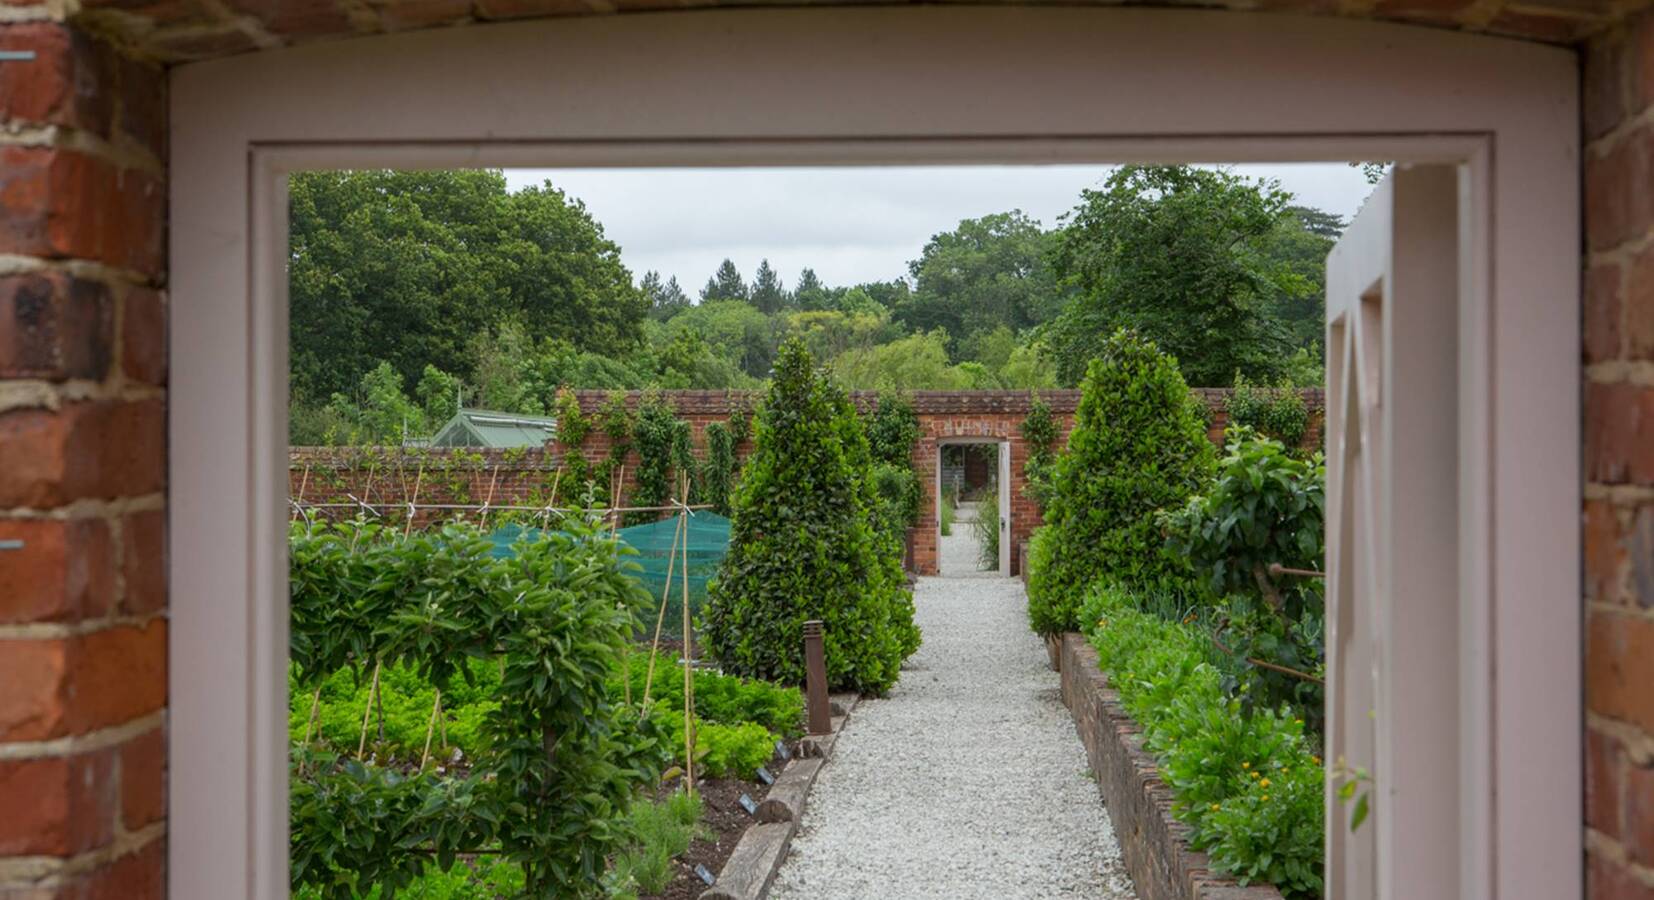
(1618, 354)
(83, 628)
(332, 475)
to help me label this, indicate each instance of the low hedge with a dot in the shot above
(1249, 786)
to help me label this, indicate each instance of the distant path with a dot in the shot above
(968, 780)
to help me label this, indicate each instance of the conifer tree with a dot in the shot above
(803, 546)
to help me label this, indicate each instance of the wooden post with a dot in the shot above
(815, 680)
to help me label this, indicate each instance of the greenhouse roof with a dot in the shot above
(496, 430)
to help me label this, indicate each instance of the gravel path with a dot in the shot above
(967, 780)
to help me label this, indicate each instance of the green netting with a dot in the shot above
(655, 543)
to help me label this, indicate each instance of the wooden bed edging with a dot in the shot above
(751, 868)
(1153, 844)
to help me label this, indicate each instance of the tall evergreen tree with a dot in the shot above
(665, 300)
(725, 284)
(804, 545)
(810, 293)
(767, 293)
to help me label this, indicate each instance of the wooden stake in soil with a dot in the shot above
(367, 713)
(688, 650)
(436, 710)
(413, 503)
(626, 648)
(304, 480)
(660, 617)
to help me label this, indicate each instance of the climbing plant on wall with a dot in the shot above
(572, 428)
(655, 435)
(1039, 432)
(718, 474)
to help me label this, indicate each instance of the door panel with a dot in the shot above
(1392, 539)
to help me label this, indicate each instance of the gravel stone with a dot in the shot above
(968, 779)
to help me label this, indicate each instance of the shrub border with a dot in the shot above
(1153, 844)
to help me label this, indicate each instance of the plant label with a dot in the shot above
(748, 805)
(765, 776)
(781, 749)
(704, 875)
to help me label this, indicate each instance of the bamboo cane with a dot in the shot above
(660, 617)
(688, 648)
(367, 713)
(436, 707)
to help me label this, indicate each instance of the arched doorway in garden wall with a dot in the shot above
(521, 94)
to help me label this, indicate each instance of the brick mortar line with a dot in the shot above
(1638, 744)
(1610, 140)
(49, 871)
(38, 393)
(1619, 494)
(70, 745)
(37, 631)
(91, 508)
(84, 269)
(21, 15)
(1613, 851)
(1621, 371)
(30, 134)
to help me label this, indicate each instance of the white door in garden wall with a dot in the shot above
(1392, 551)
(1005, 508)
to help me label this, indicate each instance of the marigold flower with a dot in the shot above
(1266, 797)
(1264, 783)
(1246, 765)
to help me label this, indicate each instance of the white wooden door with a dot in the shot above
(1005, 508)
(1392, 551)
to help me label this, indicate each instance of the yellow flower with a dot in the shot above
(1254, 774)
(1264, 783)
(1215, 807)
(1315, 759)
(1246, 765)
(1266, 797)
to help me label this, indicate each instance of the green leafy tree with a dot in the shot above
(438, 395)
(985, 274)
(1301, 242)
(1178, 254)
(802, 546)
(1138, 445)
(725, 284)
(407, 267)
(768, 294)
(916, 362)
(735, 331)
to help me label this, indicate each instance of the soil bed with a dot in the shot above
(723, 817)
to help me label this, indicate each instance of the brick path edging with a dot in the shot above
(1153, 844)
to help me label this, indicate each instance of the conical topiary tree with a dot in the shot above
(1139, 444)
(802, 546)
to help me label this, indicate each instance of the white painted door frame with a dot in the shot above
(1004, 524)
(865, 86)
(1002, 468)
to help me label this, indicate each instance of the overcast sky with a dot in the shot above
(850, 224)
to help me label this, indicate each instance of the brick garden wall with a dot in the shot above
(1618, 355)
(388, 476)
(83, 627)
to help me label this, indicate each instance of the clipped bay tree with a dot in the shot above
(1138, 445)
(803, 546)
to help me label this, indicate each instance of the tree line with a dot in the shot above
(414, 291)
